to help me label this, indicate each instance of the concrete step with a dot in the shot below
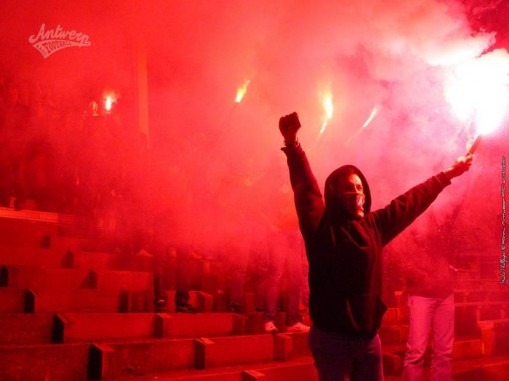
(236, 350)
(90, 327)
(26, 229)
(94, 260)
(82, 300)
(469, 314)
(394, 333)
(13, 300)
(110, 360)
(97, 260)
(124, 280)
(62, 362)
(303, 370)
(66, 242)
(300, 369)
(31, 256)
(73, 327)
(24, 329)
(179, 325)
(467, 348)
(494, 368)
(469, 296)
(44, 279)
(137, 285)
(495, 336)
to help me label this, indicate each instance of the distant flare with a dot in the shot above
(241, 91)
(328, 108)
(374, 112)
(108, 100)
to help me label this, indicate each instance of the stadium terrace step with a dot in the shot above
(92, 260)
(110, 360)
(469, 296)
(466, 348)
(124, 280)
(31, 256)
(100, 260)
(235, 350)
(73, 327)
(468, 314)
(64, 243)
(180, 325)
(494, 368)
(90, 327)
(134, 358)
(13, 300)
(495, 336)
(41, 279)
(393, 333)
(300, 369)
(26, 228)
(62, 362)
(24, 329)
(300, 345)
(83, 300)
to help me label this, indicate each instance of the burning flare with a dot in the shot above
(328, 108)
(479, 91)
(374, 112)
(241, 91)
(109, 98)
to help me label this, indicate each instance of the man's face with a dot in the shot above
(351, 194)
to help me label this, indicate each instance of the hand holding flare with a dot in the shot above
(461, 165)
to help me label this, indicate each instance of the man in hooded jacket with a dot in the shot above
(344, 242)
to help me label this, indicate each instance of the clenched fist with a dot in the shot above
(289, 125)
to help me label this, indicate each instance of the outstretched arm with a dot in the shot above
(403, 210)
(307, 195)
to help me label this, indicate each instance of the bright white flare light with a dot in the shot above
(479, 91)
(241, 91)
(109, 98)
(108, 103)
(374, 112)
(328, 108)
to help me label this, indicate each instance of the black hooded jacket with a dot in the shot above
(345, 254)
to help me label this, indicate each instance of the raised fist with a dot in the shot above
(289, 125)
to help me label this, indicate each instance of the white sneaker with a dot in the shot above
(297, 328)
(269, 327)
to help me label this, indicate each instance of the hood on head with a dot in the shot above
(332, 203)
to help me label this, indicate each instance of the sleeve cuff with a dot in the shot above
(291, 147)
